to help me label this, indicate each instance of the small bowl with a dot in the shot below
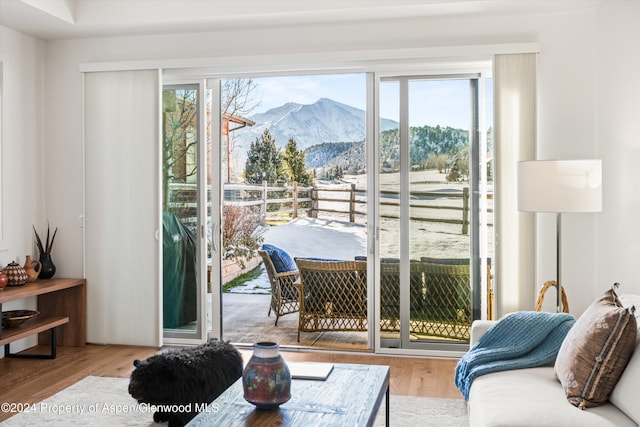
(15, 318)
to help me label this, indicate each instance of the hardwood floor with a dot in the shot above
(32, 380)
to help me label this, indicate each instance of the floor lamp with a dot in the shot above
(560, 186)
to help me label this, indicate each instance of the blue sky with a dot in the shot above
(431, 102)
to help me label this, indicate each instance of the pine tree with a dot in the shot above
(294, 161)
(264, 161)
(454, 172)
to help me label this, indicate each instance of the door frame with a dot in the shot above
(215, 139)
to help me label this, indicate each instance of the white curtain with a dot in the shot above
(121, 119)
(515, 139)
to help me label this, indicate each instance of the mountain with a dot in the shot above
(332, 134)
(323, 121)
(329, 154)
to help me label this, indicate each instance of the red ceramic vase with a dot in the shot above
(266, 378)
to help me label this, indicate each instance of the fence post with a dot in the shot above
(295, 200)
(314, 201)
(264, 200)
(352, 203)
(465, 210)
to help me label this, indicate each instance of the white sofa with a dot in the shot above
(535, 397)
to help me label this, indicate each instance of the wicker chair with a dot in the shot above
(390, 293)
(447, 301)
(333, 296)
(284, 291)
(465, 261)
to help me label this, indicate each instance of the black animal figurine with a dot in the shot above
(179, 383)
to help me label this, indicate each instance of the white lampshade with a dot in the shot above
(560, 186)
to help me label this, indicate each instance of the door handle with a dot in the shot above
(213, 237)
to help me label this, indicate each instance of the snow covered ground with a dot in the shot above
(311, 238)
(334, 237)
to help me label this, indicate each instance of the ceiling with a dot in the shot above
(64, 19)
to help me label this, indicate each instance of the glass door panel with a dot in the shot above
(439, 181)
(182, 213)
(291, 167)
(430, 225)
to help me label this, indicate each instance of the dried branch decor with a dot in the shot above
(46, 249)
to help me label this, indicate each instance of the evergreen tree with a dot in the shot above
(264, 161)
(294, 161)
(337, 172)
(454, 172)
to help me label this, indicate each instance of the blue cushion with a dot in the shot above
(282, 261)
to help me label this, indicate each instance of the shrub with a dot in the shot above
(242, 233)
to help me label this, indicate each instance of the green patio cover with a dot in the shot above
(178, 273)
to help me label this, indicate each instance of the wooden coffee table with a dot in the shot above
(350, 396)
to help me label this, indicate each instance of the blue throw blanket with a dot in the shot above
(520, 340)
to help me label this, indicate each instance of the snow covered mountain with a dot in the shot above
(323, 121)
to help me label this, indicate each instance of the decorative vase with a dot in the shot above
(32, 272)
(15, 273)
(266, 378)
(48, 268)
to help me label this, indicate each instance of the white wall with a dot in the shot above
(22, 156)
(23, 163)
(585, 110)
(566, 130)
(618, 135)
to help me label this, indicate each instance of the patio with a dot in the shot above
(245, 321)
(245, 309)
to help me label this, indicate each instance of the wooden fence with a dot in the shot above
(274, 202)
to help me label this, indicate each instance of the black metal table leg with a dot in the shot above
(386, 415)
(52, 354)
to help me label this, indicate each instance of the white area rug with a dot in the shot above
(105, 402)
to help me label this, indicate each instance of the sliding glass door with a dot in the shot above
(426, 202)
(429, 214)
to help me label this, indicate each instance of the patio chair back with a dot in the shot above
(465, 261)
(284, 292)
(447, 300)
(390, 293)
(333, 295)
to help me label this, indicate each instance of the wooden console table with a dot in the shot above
(62, 306)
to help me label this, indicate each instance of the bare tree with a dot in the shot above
(237, 97)
(180, 108)
(238, 100)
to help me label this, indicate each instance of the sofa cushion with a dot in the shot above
(628, 301)
(596, 351)
(533, 397)
(282, 261)
(624, 394)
